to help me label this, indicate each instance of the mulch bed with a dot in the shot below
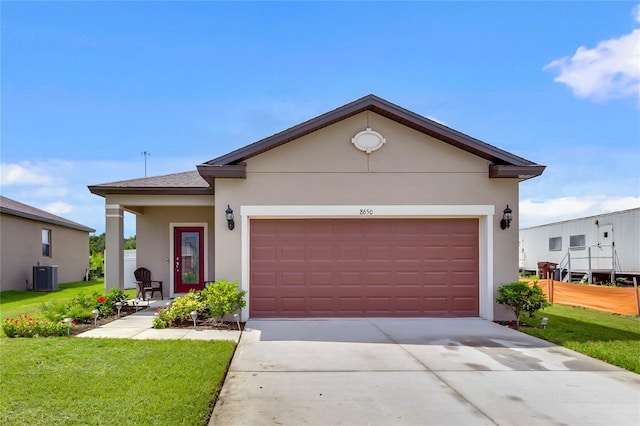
(210, 324)
(207, 324)
(512, 324)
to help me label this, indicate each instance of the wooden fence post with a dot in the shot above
(635, 291)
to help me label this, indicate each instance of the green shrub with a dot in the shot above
(159, 323)
(181, 308)
(223, 297)
(519, 297)
(217, 300)
(80, 307)
(54, 311)
(107, 305)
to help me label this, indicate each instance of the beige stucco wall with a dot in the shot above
(21, 250)
(153, 239)
(324, 168)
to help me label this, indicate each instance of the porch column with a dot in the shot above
(114, 245)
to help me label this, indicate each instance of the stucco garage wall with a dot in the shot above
(21, 250)
(153, 239)
(323, 168)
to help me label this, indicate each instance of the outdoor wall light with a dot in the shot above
(95, 313)
(194, 316)
(507, 216)
(229, 215)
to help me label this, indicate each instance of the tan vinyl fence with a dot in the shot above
(618, 300)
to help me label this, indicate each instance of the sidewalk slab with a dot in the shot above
(139, 326)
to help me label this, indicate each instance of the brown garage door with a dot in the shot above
(364, 267)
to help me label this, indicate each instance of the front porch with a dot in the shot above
(174, 230)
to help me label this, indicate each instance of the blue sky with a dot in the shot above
(88, 86)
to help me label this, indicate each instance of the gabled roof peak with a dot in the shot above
(229, 165)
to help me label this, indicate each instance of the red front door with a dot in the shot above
(188, 258)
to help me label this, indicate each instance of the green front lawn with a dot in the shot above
(84, 381)
(609, 337)
(14, 303)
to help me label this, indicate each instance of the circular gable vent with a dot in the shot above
(368, 140)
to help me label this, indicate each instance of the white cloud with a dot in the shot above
(610, 70)
(22, 174)
(533, 213)
(58, 208)
(436, 120)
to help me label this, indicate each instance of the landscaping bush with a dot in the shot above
(223, 297)
(519, 297)
(215, 301)
(180, 310)
(80, 307)
(29, 326)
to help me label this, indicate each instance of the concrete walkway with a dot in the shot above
(139, 326)
(422, 371)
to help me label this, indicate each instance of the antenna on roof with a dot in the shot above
(146, 154)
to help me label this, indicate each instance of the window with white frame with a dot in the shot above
(577, 242)
(46, 242)
(555, 244)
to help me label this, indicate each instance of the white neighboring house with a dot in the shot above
(600, 247)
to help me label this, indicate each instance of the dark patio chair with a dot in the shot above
(145, 284)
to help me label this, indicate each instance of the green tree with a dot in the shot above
(96, 243)
(130, 243)
(520, 297)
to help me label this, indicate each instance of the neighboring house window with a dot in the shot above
(555, 244)
(46, 242)
(577, 242)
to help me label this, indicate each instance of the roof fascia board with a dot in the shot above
(238, 171)
(104, 190)
(36, 218)
(510, 171)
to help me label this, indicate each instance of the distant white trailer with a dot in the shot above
(606, 244)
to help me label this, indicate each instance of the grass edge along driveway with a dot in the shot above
(73, 381)
(612, 338)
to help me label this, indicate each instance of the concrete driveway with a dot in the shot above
(422, 371)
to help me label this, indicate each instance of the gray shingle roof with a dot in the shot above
(178, 183)
(15, 208)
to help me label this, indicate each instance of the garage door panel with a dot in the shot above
(321, 279)
(264, 304)
(264, 279)
(377, 278)
(348, 253)
(364, 267)
(320, 253)
(263, 253)
(460, 279)
(322, 304)
(292, 279)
